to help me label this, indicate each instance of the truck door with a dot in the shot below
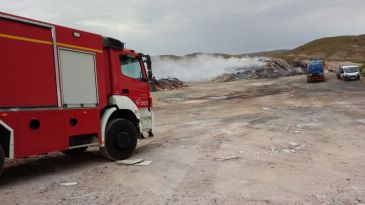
(133, 80)
(341, 72)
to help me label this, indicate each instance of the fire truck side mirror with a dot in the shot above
(150, 75)
(149, 67)
(147, 59)
(149, 62)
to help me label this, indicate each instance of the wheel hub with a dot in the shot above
(122, 140)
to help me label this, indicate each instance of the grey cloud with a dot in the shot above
(185, 26)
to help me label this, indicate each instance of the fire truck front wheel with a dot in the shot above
(2, 159)
(120, 139)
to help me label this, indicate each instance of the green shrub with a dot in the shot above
(363, 72)
(361, 67)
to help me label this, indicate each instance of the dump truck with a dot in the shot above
(315, 70)
(63, 89)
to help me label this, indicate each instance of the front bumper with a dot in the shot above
(352, 77)
(315, 78)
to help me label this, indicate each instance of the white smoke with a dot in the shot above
(200, 67)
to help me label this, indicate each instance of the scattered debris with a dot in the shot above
(292, 147)
(144, 163)
(129, 161)
(294, 144)
(306, 125)
(286, 151)
(218, 97)
(48, 188)
(227, 158)
(82, 196)
(137, 162)
(68, 183)
(272, 68)
(167, 84)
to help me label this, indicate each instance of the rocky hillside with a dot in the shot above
(339, 48)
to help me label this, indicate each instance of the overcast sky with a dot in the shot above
(186, 26)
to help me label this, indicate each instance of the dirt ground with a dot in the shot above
(279, 141)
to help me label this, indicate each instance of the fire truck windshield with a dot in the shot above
(131, 67)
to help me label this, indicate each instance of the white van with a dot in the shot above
(348, 72)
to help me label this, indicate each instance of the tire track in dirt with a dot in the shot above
(197, 186)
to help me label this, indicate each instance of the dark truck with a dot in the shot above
(315, 70)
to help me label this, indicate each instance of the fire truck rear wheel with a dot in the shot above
(2, 159)
(75, 151)
(120, 139)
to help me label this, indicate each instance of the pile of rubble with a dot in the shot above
(167, 84)
(272, 68)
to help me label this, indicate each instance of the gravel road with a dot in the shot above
(278, 141)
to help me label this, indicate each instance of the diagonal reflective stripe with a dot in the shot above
(19, 38)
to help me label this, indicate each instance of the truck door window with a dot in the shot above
(131, 67)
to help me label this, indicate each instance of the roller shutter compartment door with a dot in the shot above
(78, 79)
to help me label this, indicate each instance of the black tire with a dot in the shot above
(75, 151)
(338, 76)
(2, 160)
(120, 139)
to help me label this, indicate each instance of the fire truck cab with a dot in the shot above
(62, 89)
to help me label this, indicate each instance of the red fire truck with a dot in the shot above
(62, 89)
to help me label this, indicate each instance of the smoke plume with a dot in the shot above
(200, 67)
